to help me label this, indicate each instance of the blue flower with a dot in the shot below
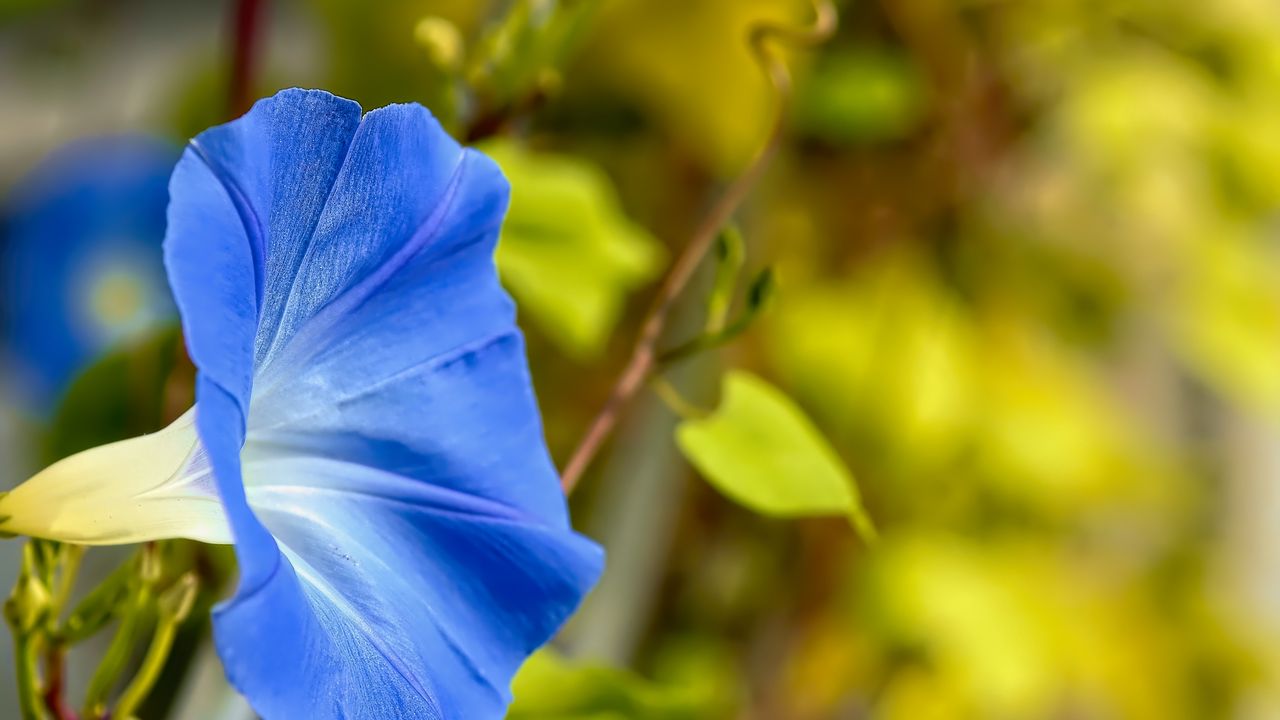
(80, 260)
(365, 430)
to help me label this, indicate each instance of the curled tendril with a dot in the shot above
(644, 355)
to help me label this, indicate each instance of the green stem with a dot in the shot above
(149, 672)
(62, 577)
(676, 402)
(26, 611)
(46, 559)
(174, 605)
(26, 652)
(117, 655)
(69, 568)
(705, 342)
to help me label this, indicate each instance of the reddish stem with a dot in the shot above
(54, 671)
(245, 47)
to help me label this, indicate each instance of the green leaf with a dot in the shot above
(759, 295)
(760, 450)
(568, 253)
(730, 253)
(550, 688)
(761, 292)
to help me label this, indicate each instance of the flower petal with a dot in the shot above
(245, 202)
(491, 576)
(145, 488)
(440, 595)
(359, 381)
(394, 447)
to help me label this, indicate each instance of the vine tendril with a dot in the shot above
(643, 357)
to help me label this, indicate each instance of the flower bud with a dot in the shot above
(29, 603)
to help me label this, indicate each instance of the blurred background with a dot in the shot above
(1025, 270)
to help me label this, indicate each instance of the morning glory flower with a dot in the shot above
(365, 430)
(80, 261)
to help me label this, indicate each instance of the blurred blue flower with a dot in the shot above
(367, 431)
(80, 261)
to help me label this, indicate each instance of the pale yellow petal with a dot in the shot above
(147, 488)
